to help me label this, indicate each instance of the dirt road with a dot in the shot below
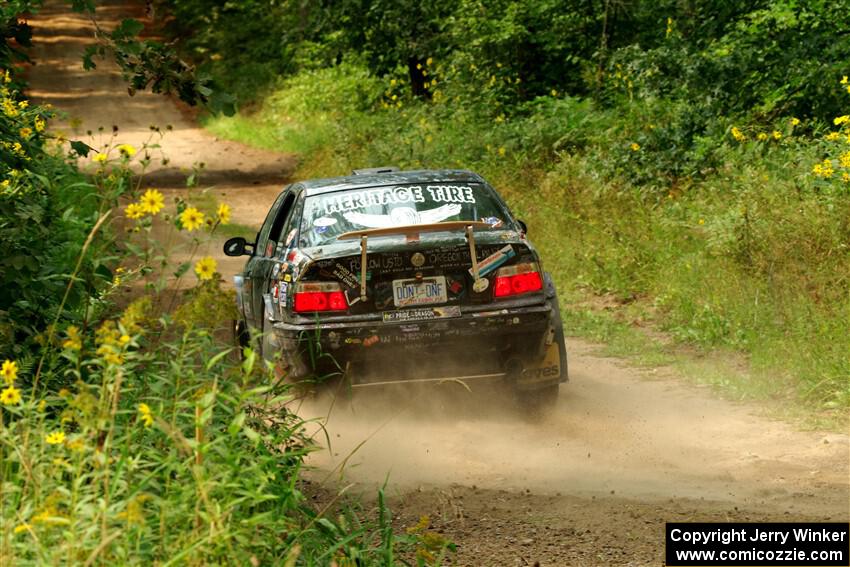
(592, 484)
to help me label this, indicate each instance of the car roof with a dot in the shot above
(320, 186)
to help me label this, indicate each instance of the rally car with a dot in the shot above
(390, 276)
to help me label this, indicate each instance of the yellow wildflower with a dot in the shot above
(502, 151)
(23, 104)
(762, 136)
(823, 169)
(844, 159)
(113, 358)
(152, 201)
(9, 371)
(73, 342)
(429, 61)
(223, 213)
(845, 176)
(844, 80)
(126, 150)
(100, 158)
(39, 124)
(795, 121)
(55, 438)
(10, 396)
(125, 339)
(832, 136)
(777, 135)
(737, 134)
(9, 108)
(25, 132)
(841, 119)
(205, 268)
(107, 334)
(634, 146)
(134, 211)
(191, 218)
(50, 516)
(22, 528)
(553, 92)
(145, 415)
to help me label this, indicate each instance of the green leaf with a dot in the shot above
(182, 269)
(214, 360)
(128, 28)
(250, 360)
(237, 423)
(83, 6)
(251, 434)
(88, 57)
(81, 148)
(328, 525)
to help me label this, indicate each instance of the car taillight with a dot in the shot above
(517, 279)
(324, 296)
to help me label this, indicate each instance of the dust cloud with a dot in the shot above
(611, 432)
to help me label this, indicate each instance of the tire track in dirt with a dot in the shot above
(621, 454)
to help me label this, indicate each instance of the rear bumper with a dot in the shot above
(508, 344)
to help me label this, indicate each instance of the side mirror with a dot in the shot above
(238, 246)
(522, 226)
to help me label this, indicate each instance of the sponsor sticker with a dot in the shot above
(421, 314)
(493, 261)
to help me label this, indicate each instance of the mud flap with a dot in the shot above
(542, 372)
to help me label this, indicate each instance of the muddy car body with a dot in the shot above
(423, 309)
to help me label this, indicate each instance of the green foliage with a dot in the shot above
(47, 210)
(166, 451)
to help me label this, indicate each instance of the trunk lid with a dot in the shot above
(434, 270)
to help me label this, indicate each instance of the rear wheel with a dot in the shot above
(560, 340)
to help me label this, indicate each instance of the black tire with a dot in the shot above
(241, 337)
(560, 340)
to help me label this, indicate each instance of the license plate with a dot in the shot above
(412, 293)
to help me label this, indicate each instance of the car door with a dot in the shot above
(269, 240)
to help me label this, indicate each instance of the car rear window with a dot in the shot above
(332, 214)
